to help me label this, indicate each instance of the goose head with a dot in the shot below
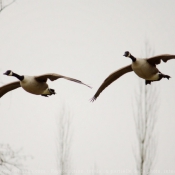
(8, 73)
(127, 54)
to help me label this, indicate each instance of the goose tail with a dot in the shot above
(52, 91)
(49, 92)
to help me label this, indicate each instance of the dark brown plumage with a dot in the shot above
(111, 78)
(9, 87)
(157, 59)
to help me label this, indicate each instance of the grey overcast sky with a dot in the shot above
(85, 39)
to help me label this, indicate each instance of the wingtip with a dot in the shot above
(92, 99)
(88, 86)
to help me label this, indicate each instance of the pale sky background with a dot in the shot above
(85, 39)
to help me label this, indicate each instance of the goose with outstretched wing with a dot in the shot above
(144, 68)
(34, 84)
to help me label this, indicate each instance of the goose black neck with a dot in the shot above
(133, 58)
(18, 76)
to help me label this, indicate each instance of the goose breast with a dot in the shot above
(145, 70)
(30, 85)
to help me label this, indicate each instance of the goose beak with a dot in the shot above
(125, 54)
(4, 73)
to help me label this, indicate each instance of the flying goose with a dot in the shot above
(144, 68)
(33, 84)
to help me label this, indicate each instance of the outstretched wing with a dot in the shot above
(53, 76)
(9, 87)
(157, 59)
(111, 78)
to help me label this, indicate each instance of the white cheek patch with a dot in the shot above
(129, 55)
(11, 73)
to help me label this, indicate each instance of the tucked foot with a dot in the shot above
(147, 82)
(167, 76)
(164, 76)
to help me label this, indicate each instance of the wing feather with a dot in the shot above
(111, 78)
(157, 59)
(9, 87)
(53, 77)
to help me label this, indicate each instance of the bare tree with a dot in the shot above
(145, 119)
(64, 141)
(11, 161)
(5, 3)
(95, 170)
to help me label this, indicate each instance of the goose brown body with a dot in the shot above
(32, 86)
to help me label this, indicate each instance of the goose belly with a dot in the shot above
(32, 86)
(144, 70)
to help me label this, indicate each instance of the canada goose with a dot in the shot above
(33, 84)
(144, 68)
